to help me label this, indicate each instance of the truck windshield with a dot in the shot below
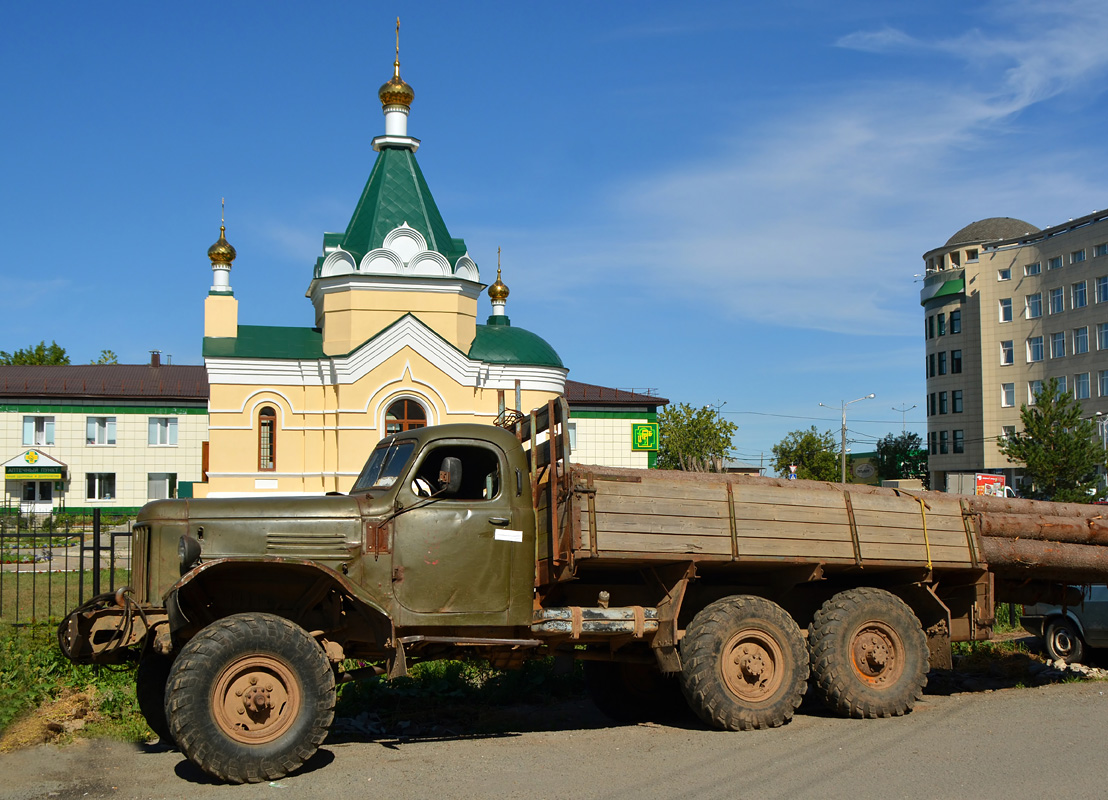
(384, 466)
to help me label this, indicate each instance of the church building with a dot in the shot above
(395, 342)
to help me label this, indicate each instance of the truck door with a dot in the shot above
(452, 553)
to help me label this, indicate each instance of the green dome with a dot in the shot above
(503, 344)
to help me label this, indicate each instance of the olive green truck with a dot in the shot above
(482, 542)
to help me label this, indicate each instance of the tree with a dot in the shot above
(901, 456)
(693, 439)
(36, 354)
(815, 454)
(106, 357)
(1060, 451)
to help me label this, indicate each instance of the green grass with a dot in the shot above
(33, 671)
(41, 597)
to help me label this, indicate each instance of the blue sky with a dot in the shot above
(726, 202)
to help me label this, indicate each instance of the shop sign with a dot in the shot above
(644, 436)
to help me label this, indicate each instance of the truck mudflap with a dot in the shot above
(105, 629)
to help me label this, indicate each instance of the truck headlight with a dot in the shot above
(188, 551)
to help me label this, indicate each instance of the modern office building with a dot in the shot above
(1006, 306)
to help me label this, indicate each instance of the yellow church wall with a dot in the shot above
(352, 317)
(325, 433)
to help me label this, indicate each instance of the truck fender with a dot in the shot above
(196, 599)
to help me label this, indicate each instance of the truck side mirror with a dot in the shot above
(450, 475)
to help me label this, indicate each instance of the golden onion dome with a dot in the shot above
(499, 290)
(396, 92)
(222, 252)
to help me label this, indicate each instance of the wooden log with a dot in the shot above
(1045, 561)
(1044, 527)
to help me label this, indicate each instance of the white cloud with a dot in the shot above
(814, 220)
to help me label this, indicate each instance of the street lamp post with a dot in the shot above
(869, 396)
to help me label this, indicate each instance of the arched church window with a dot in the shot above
(267, 438)
(404, 415)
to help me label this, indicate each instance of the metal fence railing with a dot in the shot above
(51, 563)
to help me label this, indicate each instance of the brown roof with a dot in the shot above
(103, 381)
(587, 393)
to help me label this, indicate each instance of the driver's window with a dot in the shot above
(481, 477)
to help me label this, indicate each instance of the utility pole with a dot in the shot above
(869, 396)
(903, 423)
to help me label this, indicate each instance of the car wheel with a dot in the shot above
(1064, 642)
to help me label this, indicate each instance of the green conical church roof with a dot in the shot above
(395, 193)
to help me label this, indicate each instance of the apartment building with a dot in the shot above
(1006, 306)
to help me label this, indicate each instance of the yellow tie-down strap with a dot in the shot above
(923, 516)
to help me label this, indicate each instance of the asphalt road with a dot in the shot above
(1044, 742)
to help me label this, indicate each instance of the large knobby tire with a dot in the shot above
(629, 693)
(151, 678)
(1063, 641)
(250, 698)
(868, 653)
(744, 664)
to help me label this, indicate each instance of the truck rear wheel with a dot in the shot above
(250, 698)
(868, 653)
(628, 693)
(745, 665)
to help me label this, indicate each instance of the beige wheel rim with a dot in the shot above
(255, 699)
(876, 653)
(753, 665)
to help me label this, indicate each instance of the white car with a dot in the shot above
(1068, 631)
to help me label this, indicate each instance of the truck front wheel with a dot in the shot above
(868, 653)
(250, 698)
(745, 665)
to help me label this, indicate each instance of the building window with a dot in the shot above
(1100, 250)
(955, 362)
(404, 415)
(38, 430)
(572, 428)
(267, 439)
(959, 441)
(1008, 431)
(1033, 269)
(1102, 288)
(931, 366)
(1077, 256)
(955, 321)
(931, 327)
(941, 319)
(942, 363)
(956, 401)
(1057, 345)
(955, 259)
(100, 486)
(1062, 384)
(1006, 309)
(1080, 341)
(1054, 263)
(1034, 348)
(944, 442)
(1004, 274)
(1102, 336)
(1079, 297)
(942, 402)
(1081, 386)
(1034, 306)
(1007, 395)
(1007, 352)
(1104, 383)
(931, 404)
(1034, 388)
(932, 448)
(1057, 301)
(161, 485)
(162, 431)
(100, 430)
(971, 255)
